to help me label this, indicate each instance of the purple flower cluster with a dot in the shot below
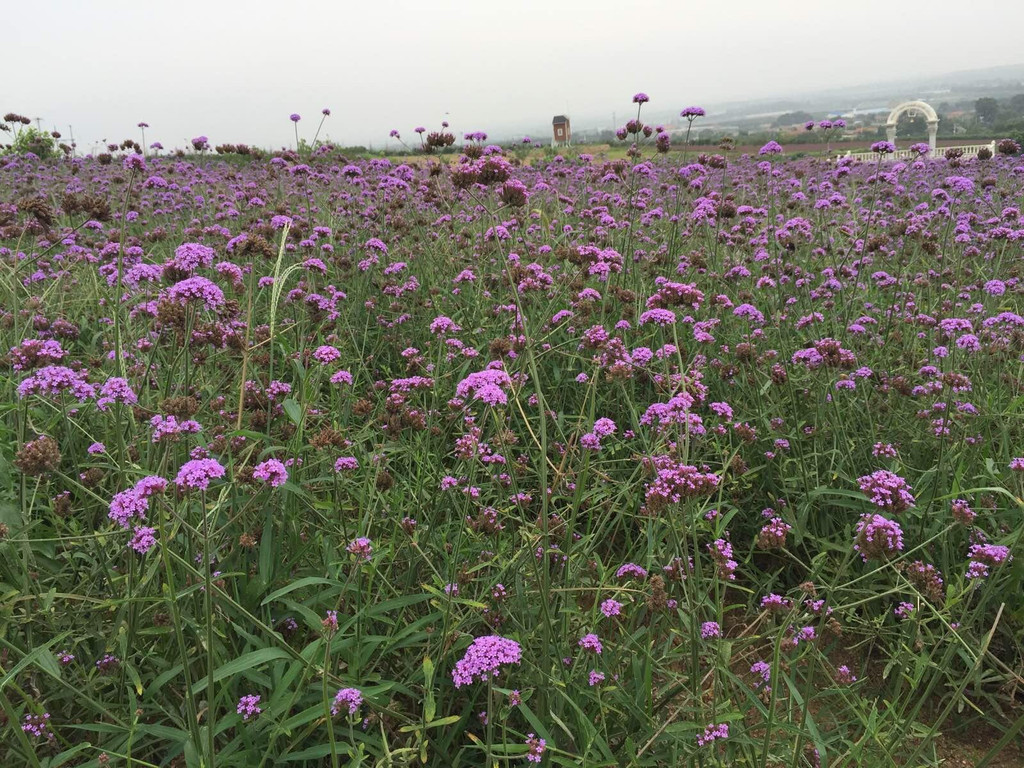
(272, 472)
(484, 659)
(198, 473)
(983, 557)
(54, 380)
(713, 733)
(249, 706)
(887, 490)
(878, 538)
(488, 385)
(347, 698)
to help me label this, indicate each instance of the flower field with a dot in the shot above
(679, 460)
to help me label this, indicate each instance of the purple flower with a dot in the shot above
(690, 113)
(771, 148)
(346, 464)
(903, 611)
(326, 354)
(844, 676)
(347, 698)
(591, 642)
(271, 471)
(488, 385)
(641, 98)
(985, 556)
(710, 629)
(325, 112)
(595, 678)
(883, 147)
(878, 538)
(330, 622)
(294, 117)
(188, 257)
(713, 733)
(198, 473)
(143, 539)
(960, 184)
(611, 608)
(763, 670)
(134, 503)
(134, 162)
(631, 570)
(38, 726)
(362, 548)
(341, 377)
(535, 748)
(887, 490)
(658, 317)
(196, 289)
(249, 706)
(484, 659)
(55, 379)
(116, 390)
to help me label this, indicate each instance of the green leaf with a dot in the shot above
(429, 704)
(243, 663)
(299, 584)
(293, 411)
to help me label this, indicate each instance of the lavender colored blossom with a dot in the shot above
(485, 658)
(198, 473)
(272, 472)
(249, 706)
(347, 698)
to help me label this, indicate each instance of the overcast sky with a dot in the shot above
(234, 71)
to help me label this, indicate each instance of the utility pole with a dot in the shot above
(39, 124)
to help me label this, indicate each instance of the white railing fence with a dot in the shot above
(969, 150)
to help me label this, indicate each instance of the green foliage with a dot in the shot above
(987, 110)
(30, 139)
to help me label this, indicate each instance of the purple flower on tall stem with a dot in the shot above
(591, 642)
(198, 473)
(878, 538)
(535, 748)
(272, 472)
(484, 659)
(887, 490)
(362, 548)
(712, 733)
(249, 706)
(143, 539)
(347, 698)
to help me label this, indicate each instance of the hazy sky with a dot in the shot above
(234, 71)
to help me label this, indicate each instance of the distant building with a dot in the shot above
(561, 136)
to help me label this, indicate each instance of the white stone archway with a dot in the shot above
(914, 108)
